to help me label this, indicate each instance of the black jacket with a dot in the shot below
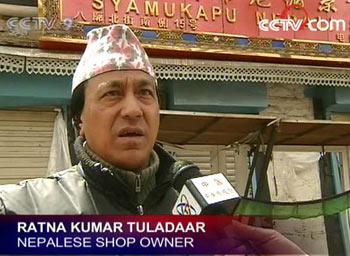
(83, 190)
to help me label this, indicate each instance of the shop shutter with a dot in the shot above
(200, 155)
(25, 140)
(210, 159)
(230, 165)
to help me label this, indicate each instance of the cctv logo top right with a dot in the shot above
(284, 22)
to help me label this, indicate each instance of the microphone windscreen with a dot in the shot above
(183, 171)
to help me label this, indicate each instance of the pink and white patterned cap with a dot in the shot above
(111, 48)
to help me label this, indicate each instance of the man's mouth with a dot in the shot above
(131, 132)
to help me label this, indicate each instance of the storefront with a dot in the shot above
(210, 58)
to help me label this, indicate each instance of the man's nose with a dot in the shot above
(131, 107)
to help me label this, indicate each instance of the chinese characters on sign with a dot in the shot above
(238, 17)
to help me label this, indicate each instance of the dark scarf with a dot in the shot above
(129, 178)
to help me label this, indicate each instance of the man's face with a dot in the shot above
(120, 118)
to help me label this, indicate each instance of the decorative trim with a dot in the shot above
(38, 62)
(45, 66)
(12, 64)
(49, 8)
(220, 44)
(254, 72)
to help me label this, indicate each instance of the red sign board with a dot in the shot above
(328, 20)
(293, 31)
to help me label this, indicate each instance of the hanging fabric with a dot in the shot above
(59, 154)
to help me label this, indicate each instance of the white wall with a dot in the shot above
(288, 101)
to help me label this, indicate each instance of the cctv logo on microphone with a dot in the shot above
(185, 207)
(186, 204)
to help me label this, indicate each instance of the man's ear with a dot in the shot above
(81, 127)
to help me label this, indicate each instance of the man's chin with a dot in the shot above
(135, 142)
(132, 159)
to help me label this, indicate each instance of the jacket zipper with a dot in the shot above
(138, 183)
(138, 190)
(140, 209)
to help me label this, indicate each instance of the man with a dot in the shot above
(122, 170)
(115, 108)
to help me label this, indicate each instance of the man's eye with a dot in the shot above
(113, 93)
(146, 92)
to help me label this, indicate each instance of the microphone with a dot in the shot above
(183, 171)
(205, 195)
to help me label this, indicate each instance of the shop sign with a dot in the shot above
(288, 29)
(325, 20)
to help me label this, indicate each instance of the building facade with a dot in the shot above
(201, 70)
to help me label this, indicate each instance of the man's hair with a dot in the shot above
(77, 104)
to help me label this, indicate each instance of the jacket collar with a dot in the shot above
(116, 189)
